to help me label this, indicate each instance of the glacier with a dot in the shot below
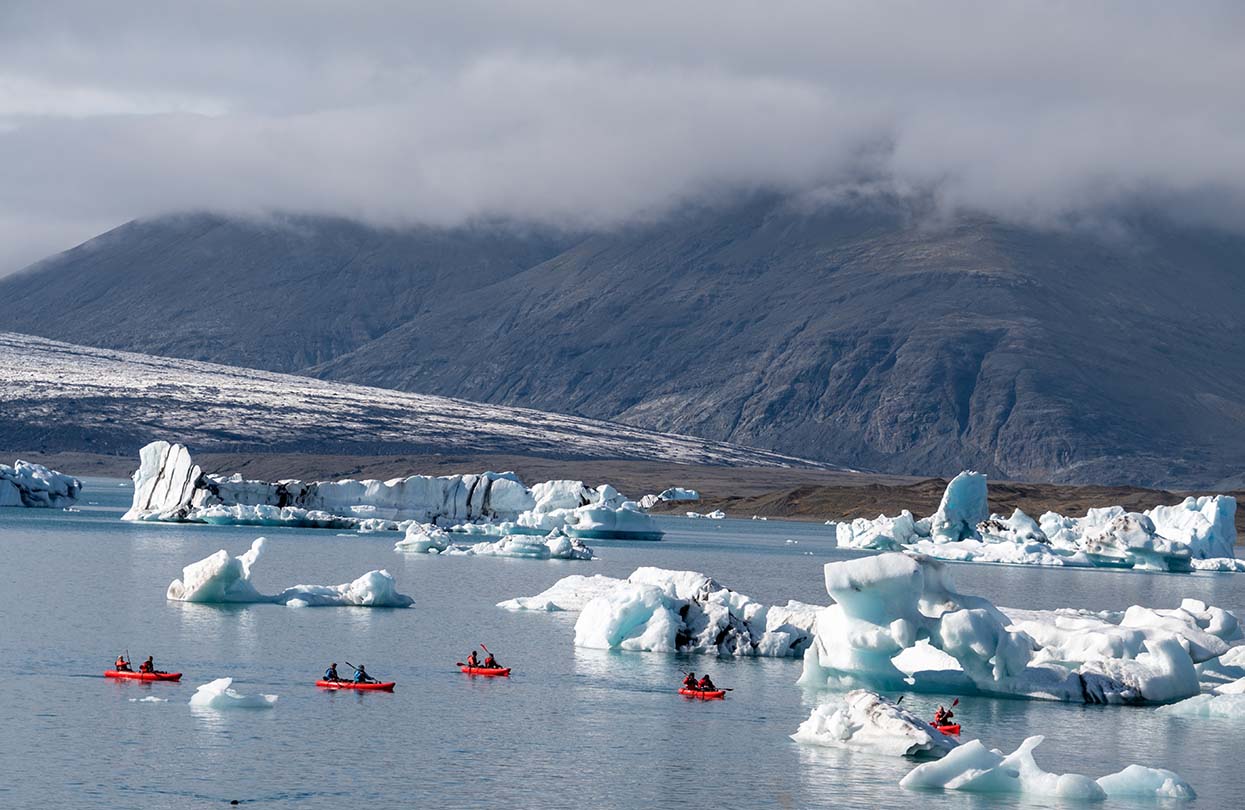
(659, 610)
(866, 721)
(1197, 534)
(897, 623)
(973, 767)
(220, 578)
(169, 486)
(34, 485)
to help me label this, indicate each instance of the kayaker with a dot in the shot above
(690, 681)
(330, 674)
(122, 664)
(706, 684)
(361, 676)
(490, 662)
(147, 666)
(473, 660)
(943, 716)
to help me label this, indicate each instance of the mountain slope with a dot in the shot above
(847, 332)
(58, 396)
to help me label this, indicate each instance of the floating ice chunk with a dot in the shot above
(631, 617)
(219, 694)
(1140, 781)
(671, 495)
(1229, 706)
(866, 721)
(149, 699)
(716, 514)
(220, 578)
(568, 593)
(422, 538)
(556, 546)
(1219, 565)
(34, 485)
(1207, 525)
(883, 533)
(964, 505)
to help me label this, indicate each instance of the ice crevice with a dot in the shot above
(222, 579)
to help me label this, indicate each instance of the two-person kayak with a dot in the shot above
(371, 686)
(142, 676)
(703, 694)
(488, 672)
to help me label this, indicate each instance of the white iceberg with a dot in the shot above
(658, 610)
(1197, 534)
(716, 514)
(557, 545)
(973, 767)
(34, 485)
(670, 495)
(885, 605)
(866, 721)
(220, 579)
(422, 538)
(168, 486)
(1230, 706)
(219, 694)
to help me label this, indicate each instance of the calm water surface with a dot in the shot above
(571, 729)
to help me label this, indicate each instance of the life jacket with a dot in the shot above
(490, 663)
(121, 663)
(705, 684)
(146, 666)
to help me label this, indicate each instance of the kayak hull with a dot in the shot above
(385, 686)
(701, 694)
(950, 731)
(493, 672)
(143, 676)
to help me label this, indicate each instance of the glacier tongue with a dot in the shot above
(27, 484)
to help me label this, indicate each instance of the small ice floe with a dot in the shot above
(149, 699)
(220, 694)
(866, 721)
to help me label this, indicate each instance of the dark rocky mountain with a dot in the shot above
(858, 334)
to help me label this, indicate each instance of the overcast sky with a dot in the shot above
(1045, 112)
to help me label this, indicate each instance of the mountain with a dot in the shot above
(61, 397)
(854, 331)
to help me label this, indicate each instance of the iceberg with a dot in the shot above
(866, 721)
(671, 495)
(422, 538)
(168, 486)
(219, 694)
(884, 605)
(221, 579)
(557, 545)
(1197, 534)
(973, 767)
(33, 485)
(658, 610)
(716, 514)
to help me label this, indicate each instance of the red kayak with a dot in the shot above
(491, 672)
(950, 731)
(143, 676)
(386, 686)
(703, 694)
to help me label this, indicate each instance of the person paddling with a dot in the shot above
(147, 666)
(490, 662)
(942, 717)
(330, 674)
(122, 665)
(690, 681)
(706, 684)
(473, 660)
(361, 676)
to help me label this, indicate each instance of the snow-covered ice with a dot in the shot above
(1197, 534)
(422, 538)
(975, 768)
(220, 694)
(885, 605)
(670, 495)
(659, 610)
(168, 486)
(220, 578)
(866, 721)
(27, 484)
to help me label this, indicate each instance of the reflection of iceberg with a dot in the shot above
(885, 605)
(220, 578)
(866, 721)
(168, 486)
(1197, 533)
(219, 694)
(973, 767)
(674, 611)
(27, 484)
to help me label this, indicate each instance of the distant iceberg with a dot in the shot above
(168, 486)
(557, 545)
(27, 484)
(1197, 534)
(222, 579)
(671, 495)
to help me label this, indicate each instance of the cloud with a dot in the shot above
(564, 114)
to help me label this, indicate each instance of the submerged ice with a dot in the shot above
(168, 486)
(1198, 533)
(33, 485)
(220, 578)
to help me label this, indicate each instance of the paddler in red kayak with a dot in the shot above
(690, 681)
(122, 665)
(943, 716)
(705, 684)
(147, 666)
(490, 662)
(330, 674)
(473, 660)
(360, 674)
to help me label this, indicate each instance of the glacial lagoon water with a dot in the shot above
(571, 729)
